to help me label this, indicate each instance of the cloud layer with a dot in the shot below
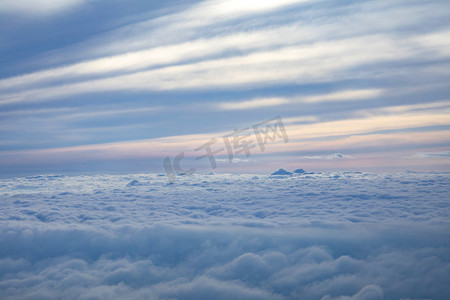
(168, 263)
(337, 235)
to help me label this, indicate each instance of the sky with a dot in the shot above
(122, 86)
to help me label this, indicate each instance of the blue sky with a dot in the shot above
(101, 86)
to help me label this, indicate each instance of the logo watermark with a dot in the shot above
(237, 142)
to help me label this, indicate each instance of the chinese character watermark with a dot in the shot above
(237, 142)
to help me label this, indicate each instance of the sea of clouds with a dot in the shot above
(333, 235)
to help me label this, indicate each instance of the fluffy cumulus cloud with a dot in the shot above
(99, 237)
(186, 263)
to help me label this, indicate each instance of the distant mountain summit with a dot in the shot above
(282, 172)
(133, 183)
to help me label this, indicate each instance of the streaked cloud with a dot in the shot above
(345, 95)
(252, 104)
(38, 7)
(375, 133)
(442, 154)
(256, 69)
(326, 157)
(344, 77)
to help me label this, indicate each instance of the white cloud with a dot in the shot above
(163, 55)
(435, 42)
(218, 10)
(209, 13)
(203, 18)
(308, 59)
(442, 154)
(329, 235)
(363, 130)
(199, 50)
(252, 104)
(162, 262)
(348, 95)
(327, 157)
(298, 64)
(38, 7)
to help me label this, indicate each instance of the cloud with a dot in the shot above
(327, 235)
(252, 104)
(233, 8)
(165, 262)
(204, 20)
(38, 7)
(320, 61)
(370, 124)
(369, 292)
(349, 95)
(373, 131)
(301, 59)
(434, 155)
(256, 69)
(160, 56)
(327, 157)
